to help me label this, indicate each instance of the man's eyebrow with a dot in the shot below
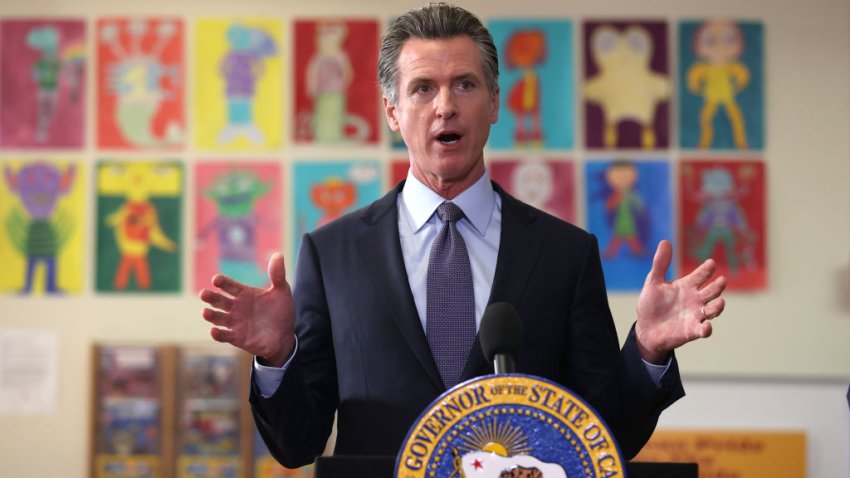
(465, 76)
(416, 80)
(469, 75)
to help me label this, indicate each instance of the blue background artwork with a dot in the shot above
(750, 99)
(365, 176)
(625, 270)
(557, 103)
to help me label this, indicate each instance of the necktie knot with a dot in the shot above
(449, 212)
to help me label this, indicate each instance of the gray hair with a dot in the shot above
(431, 22)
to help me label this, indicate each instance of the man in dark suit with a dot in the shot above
(353, 338)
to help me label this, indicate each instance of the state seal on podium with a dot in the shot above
(509, 426)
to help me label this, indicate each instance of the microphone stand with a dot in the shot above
(503, 363)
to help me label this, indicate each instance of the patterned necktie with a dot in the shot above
(450, 321)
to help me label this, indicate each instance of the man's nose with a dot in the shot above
(445, 104)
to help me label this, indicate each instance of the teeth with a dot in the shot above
(448, 138)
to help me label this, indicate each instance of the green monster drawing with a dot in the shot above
(236, 194)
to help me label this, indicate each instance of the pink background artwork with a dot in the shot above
(43, 86)
(548, 185)
(234, 180)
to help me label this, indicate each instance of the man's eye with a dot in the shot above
(423, 89)
(466, 85)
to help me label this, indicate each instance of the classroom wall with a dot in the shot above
(817, 408)
(777, 356)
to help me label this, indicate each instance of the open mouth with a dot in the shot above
(448, 138)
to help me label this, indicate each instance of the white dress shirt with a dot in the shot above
(418, 226)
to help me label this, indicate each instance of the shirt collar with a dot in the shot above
(476, 202)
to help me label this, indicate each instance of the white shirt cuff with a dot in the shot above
(268, 378)
(656, 372)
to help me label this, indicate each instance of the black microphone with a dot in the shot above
(501, 336)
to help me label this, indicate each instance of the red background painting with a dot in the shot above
(749, 180)
(361, 45)
(171, 108)
(398, 171)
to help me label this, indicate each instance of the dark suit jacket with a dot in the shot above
(362, 350)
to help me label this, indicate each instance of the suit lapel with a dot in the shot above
(519, 251)
(380, 247)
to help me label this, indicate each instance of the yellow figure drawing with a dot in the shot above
(625, 87)
(718, 76)
(136, 222)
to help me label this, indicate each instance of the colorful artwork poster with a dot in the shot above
(536, 103)
(238, 85)
(140, 83)
(627, 86)
(336, 94)
(210, 412)
(43, 85)
(547, 184)
(41, 226)
(722, 208)
(325, 191)
(721, 73)
(629, 210)
(129, 429)
(139, 226)
(237, 220)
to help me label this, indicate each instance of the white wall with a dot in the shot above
(816, 407)
(798, 328)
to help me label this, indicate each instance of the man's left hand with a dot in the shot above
(671, 314)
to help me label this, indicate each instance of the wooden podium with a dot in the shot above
(383, 467)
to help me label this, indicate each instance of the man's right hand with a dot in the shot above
(258, 321)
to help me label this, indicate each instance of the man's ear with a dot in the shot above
(494, 105)
(390, 112)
